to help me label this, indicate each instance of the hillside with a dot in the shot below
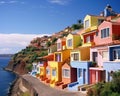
(21, 62)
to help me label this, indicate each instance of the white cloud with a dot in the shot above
(11, 2)
(60, 2)
(12, 43)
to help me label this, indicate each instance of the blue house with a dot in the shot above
(80, 61)
(114, 61)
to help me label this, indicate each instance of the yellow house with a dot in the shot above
(80, 54)
(56, 66)
(73, 41)
(91, 24)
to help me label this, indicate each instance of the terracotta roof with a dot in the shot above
(115, 42)
(93, 31)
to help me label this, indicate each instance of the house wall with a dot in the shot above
(96, 76)
(98, 40)
(85, 54)
(66, 80)
(93, 23)
(116, 30)
(75, 41)
(99, 51)
(84, 79)
(110, 66)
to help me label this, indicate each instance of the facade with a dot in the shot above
(61, 44)
(80, 60)
(56, 66)
(69, 75)
(113, 63)
(107, 32)
(91, 24)
(43, 63)
(34, 69)
(98, 55)
(72, 41)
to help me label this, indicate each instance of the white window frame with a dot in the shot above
(105, 33)
(54, 72)
(87, 24)
(69, 42)
(58, 45)
(88, 39)
(117, 56)
(64, 72)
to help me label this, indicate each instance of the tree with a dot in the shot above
(48, 44)
(78, 25)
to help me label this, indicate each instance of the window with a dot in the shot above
(105, 33)
(75, 56)
(88, 39)
(79, 72)
(58, 57)
(105, 54)
(116, 54)
(48, 71)
(69, 42)
(66, 73)
(54, 72)
(86, 24)
(58, 45)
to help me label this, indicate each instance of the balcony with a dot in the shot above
(88, 44)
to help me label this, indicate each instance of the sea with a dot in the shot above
(6, 77)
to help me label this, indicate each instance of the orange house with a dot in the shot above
(69, 75)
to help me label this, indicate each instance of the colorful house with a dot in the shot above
(43, 63)
(91, 24)
(73, 41)
(34, 69)
(56, 66)
(61, 44)
(107, 32)
(69, 75)
(113, 63)
(80, 60)
(98, 55)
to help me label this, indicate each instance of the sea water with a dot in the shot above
(6, 77)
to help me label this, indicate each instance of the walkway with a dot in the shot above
(45, 90)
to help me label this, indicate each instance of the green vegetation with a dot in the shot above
(107, 89)
(28, 56)
(78, 25)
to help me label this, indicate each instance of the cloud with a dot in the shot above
(11, 2)
(59, 2)
(12, 43)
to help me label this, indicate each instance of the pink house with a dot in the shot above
(61, 44)
(98, 55)
(107, 32)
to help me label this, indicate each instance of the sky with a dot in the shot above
(23, 20)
